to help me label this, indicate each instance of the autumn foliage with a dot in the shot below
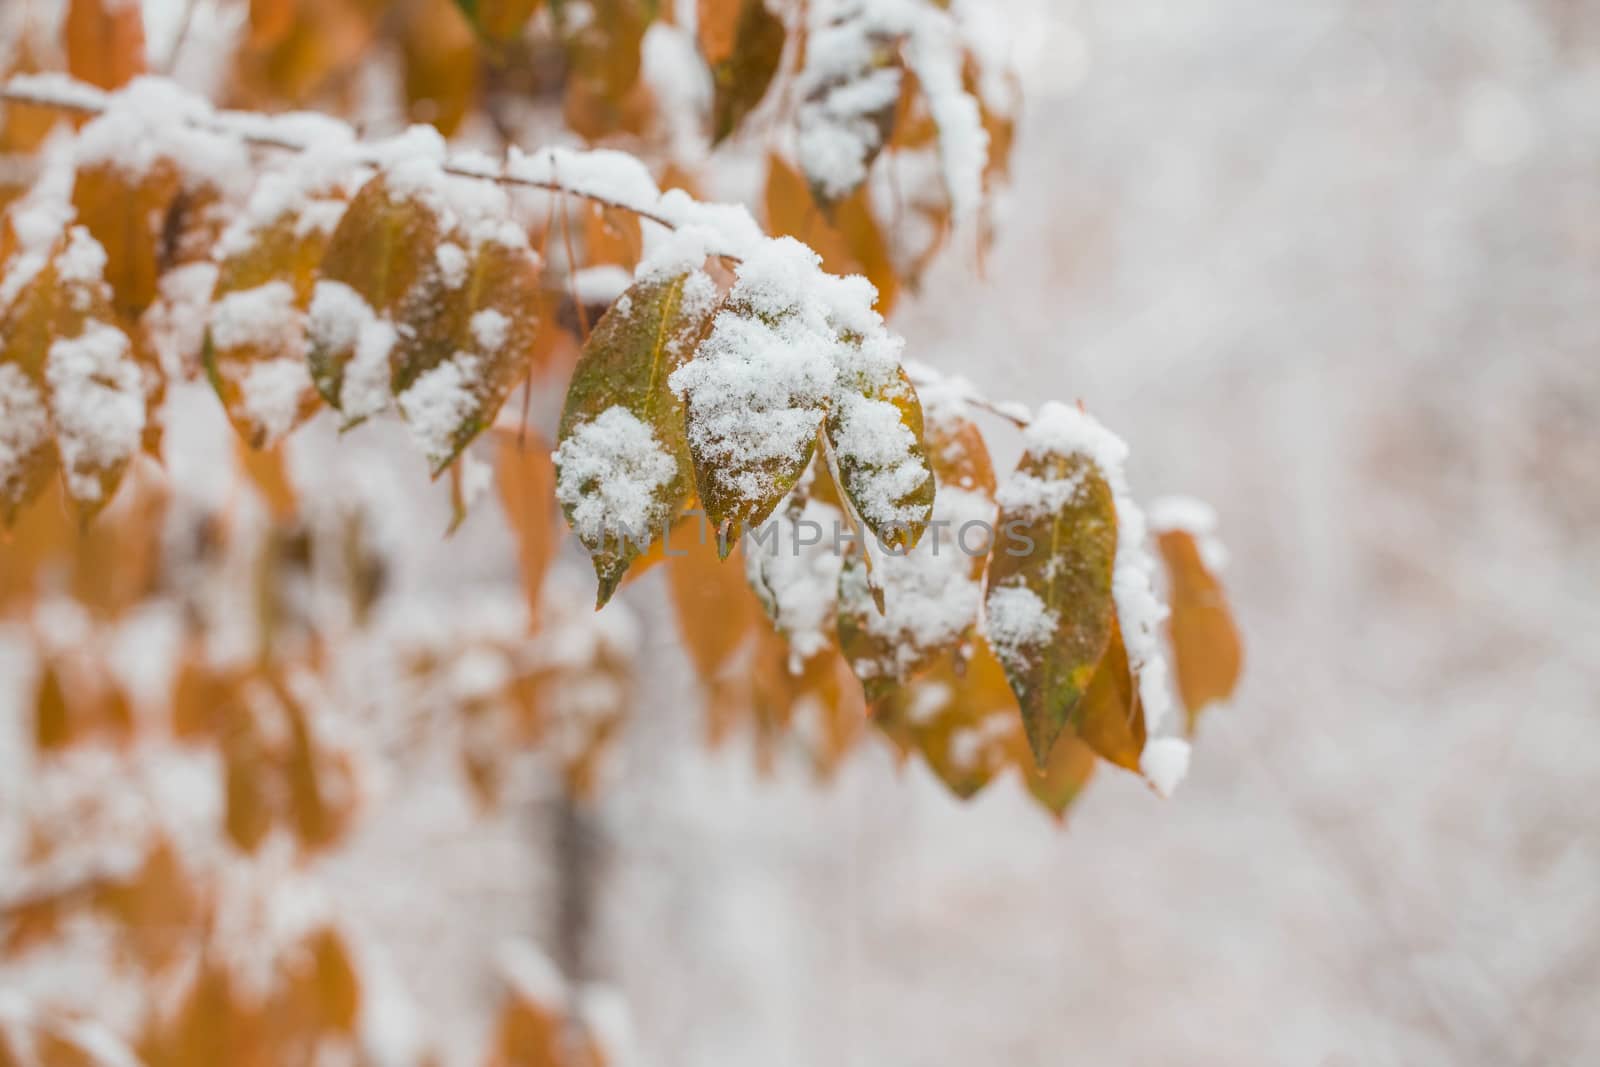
(727, 389)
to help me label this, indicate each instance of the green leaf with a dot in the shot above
(624, 472)
(1049, 612)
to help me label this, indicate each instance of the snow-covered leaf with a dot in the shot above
(624, 472)
(382, 248)
(850, 89)
(758, 387)
(874, 436)
(930, 593)
(61, 333)
(255, 348)
(1049, 611)
(467, 344)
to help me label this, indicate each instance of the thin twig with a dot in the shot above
(23, 94)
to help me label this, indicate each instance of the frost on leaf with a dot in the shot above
(60, 340)
(758, 387)
(742, 42)
(255, 349)
(1206, 648)
(624, 473)
(930, 593)
(1049, 612)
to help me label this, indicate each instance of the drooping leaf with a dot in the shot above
(441, 68)
(255, 348)
(1049, 611)
(61, 333)
(602, 41)
(382, 248)
(931, 594)
(847, 236)
(526, 481)
(743, 43)
(27, 446)
(814, 705)
(757, 390)
(270, 21)
(1064, 776)
(104, 41)
(127, 213)
(624, 472)
(467, 345)
(792, 562)
(874, 435)
(715, 609)
(1206, 648)
(1109, 719)
(849, 90)
(959, 714)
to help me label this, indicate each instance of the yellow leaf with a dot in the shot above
(526, 480)
(1108, 719)
(380, 251)
(958, 714)
(885, 478)
(128, 214)
(441, 64)
(256, 349)
(1206, 648)
(104, 41)
(715, 609)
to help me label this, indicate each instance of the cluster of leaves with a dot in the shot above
(894, 115)
(177, 910)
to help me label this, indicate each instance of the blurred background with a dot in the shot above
(1330, 266)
